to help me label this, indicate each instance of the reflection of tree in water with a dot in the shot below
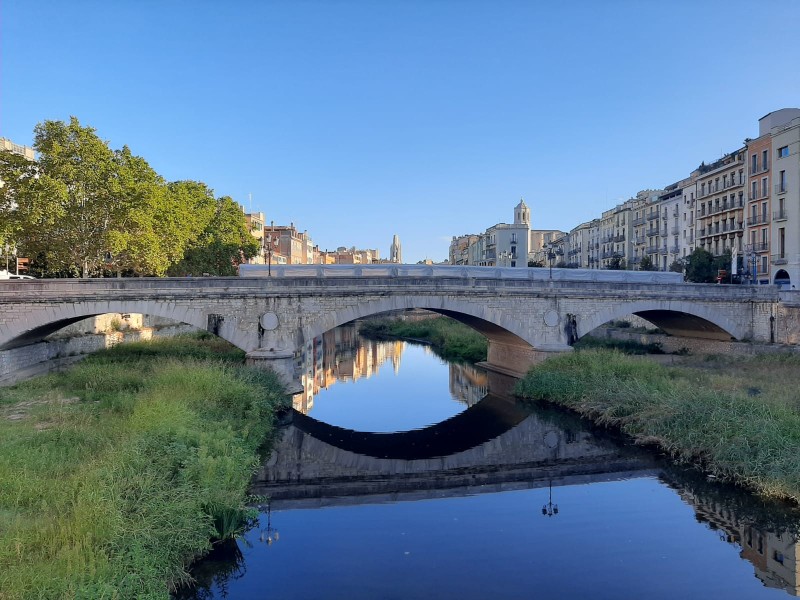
(213, 574)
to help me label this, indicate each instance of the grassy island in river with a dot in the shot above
(736, 417)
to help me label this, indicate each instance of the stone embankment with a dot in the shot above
(74, 342)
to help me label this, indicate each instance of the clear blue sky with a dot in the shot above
(357, 120)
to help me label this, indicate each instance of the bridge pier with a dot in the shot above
(280, 361)
(517, 359)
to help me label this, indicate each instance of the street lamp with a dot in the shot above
(552, 252)
(270, 244)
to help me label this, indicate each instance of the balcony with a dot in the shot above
(653, 215)
(619, 238)
(751, 196)
(758, 247)
(652, 250)
(674, 230)
(779, 215)
(778, 259)
(663, 250)
(652, 231)
(674, 250)
(639, 221)
(760, 168)
(757, 220)
(781, 188)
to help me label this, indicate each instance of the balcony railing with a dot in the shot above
(757, 219)
(674, 250)
(760, 168)
(778, 259)
(663, 250)
(781, 188)
(639, 221)
(674, 230)
(779, 215)
(758, 247)
(619, 238)
(651, 216)
(652, 231)
(652, 249)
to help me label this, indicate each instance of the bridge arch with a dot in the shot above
(677, 318)
(49, 319)
(496, 326)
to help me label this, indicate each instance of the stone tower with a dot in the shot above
(395, 251)
(522, 214)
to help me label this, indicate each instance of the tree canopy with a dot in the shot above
(85, 209)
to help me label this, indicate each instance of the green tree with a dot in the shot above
(646, 264)
(87, 201)
(616, 263)
(700, 267)
(223, 245)
(677, 266)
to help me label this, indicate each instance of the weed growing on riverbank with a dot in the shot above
(451, 339)
(116, 474)
(738, 417)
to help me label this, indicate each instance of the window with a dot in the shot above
(764, 160)
(783, 152)
(764, 187)
(754, 163)
(782, 182)
(754, 190)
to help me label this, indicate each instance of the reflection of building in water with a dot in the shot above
(468, 384)
(774, 556)
(340, 354)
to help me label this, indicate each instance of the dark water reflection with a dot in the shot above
(534, 504)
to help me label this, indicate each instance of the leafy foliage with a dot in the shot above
(646, 264)
(85, 209)
(704, 267)
(616, 263)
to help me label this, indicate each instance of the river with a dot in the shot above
(398, 475)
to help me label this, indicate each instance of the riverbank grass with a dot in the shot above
(737, 417)
(116, 474)
(452, 340)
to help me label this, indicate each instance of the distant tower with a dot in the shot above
(522, 214)
(395, 252)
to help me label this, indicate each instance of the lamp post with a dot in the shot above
(270, 244)
(552, 252)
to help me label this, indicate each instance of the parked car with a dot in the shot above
(7, 275)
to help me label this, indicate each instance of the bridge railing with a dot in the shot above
(459, 272)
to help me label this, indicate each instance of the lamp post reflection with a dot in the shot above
(550, 509)
(269, 534)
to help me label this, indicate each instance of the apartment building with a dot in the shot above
(784, 131)
(688, 233)
(616, 231)
(26, 151)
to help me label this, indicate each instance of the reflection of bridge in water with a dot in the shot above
(494, 445)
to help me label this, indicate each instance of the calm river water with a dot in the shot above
(402, 476)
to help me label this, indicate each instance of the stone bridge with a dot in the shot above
(524, 319)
